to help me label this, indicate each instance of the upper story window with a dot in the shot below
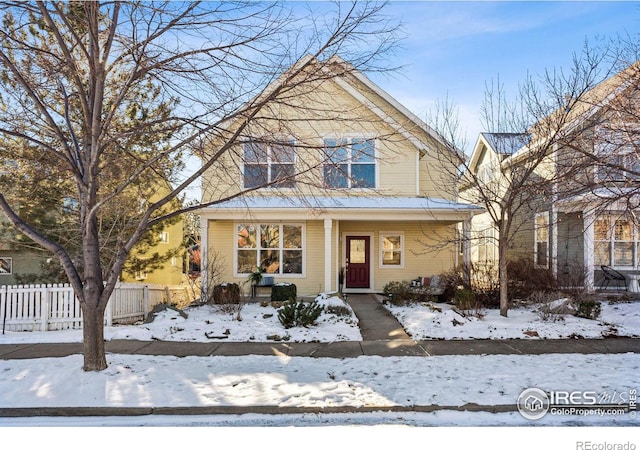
(618, 153)
(351, 163)
(269, 164)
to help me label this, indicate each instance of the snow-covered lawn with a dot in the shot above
(208, 323)
(441, 321)
(154, 381)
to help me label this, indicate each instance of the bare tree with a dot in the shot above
(526, 134)
(108, 96)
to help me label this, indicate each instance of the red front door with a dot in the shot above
(358, 270)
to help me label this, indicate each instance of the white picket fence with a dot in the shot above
(55, 307)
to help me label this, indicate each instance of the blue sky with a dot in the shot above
(454, 48)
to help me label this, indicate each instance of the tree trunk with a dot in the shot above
(503, 276)
(95, 358)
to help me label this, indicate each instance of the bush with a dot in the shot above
(299, 314)
(226, 293)
(465, 299)
(400, 292)
(589, 309)
(525, 279)
(283, 292)
(339, 310)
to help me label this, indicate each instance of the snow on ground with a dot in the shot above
(140, 380)
(441, 321)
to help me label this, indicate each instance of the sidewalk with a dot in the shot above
(382, 336)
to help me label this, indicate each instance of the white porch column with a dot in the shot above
(466, 248)
(554, 232)
(204, 254)
(328, 224)
(588, 218)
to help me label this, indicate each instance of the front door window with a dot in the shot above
(357, 259)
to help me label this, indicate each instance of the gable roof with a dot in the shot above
(575, 112)
(346, 79)
(502, 144)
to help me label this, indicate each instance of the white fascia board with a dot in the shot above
(378, 112)
(368, 214)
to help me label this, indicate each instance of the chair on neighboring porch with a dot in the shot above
(609, 275)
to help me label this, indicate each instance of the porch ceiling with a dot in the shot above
(379, 208)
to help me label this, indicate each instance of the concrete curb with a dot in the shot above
(239, 410)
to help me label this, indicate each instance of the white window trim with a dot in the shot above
(10, 259)
(269, 162)
(164, 237)
(625, 152)
(612, 217)
(376, 167)
(381, 265)
(546, 215)
(236, 274)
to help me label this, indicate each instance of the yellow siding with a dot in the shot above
(221, 248)
(336, 113)
(424, 253)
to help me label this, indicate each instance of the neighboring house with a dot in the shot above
(586, 215)
(356, 183)
(486, 164)
(20, 264)
(14, 263)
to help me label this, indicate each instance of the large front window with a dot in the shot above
(615, 242)
(275, 248)
(270, 164)
(350, 163)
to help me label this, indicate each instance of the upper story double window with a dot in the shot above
(351, 163)
(617, 151)
(269, 163)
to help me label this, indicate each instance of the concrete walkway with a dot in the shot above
(381, 333)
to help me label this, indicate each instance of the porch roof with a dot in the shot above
(342, 208)
(601, 199)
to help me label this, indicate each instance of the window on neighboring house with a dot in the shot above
(485, 173)
(541, 255)
(615, 242)
(618, 150)
(275, 248)
(164, 237)
(6, 266)
(267, 163)
(486, 245)
(391, 249)
(141, 275)
(350, 163)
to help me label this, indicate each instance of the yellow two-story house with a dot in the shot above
(332, 182)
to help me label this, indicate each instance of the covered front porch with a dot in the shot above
(326, 244)
(601, 239)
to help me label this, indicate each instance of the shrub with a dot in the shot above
(525, 279)
(226, 293)
(400, 292)
(299, 314)
(589, 309)
(283, 292)
(450, 282)
(338, 310)
(465, 299)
